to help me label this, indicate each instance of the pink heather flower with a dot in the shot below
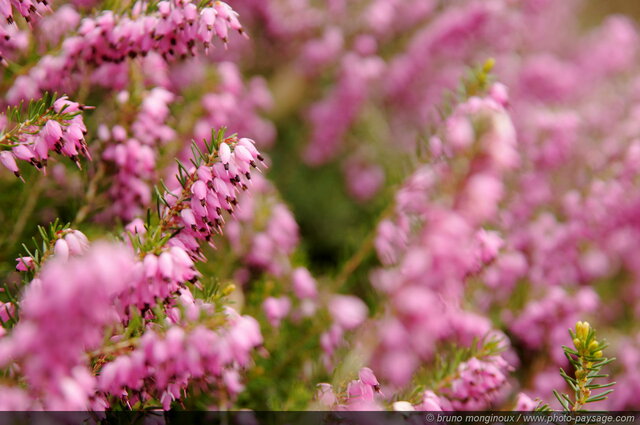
(7, 159)
(77, 243)
(459, 132)
(325, 395)
(390, 241)
(53, 27)
(225, 153)
(159, 277)
(506, 270)
(162, 366)
(500, 93)
(14, 399)
(61, 249)
(52, 133)
(348, 311)
(320, 52)
(524, 403)
(480, 197)
(63, 314)
(283, 229)
(25, 264)
(490, 244)
(23, 153)
(359, 391)
(136, 227)
(331, 340)
(7, 311)
(431, 402)
(276, 309)
(363, 180)
(366, 376)
(304, 285)
(479, 384)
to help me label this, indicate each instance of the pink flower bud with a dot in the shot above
(367, 376)
(41, 147)
(66, 104)
(326, 395)
(150, 263)
(165, 265)
(304, 285)
(74, 133)
(136, 227)
(525, 404)
(348, 311)
(75, 247)
(276, 309)
(242, 154)
(208, 17)
(24, 264)
(224, 152)
(359, 391)
(24, 153)
(188, 217)
(199, 189)
(52, 132)
(7, 159)
(180, 256)
(61, 249)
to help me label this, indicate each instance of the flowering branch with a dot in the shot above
(48, 124)
(194, 211)
(57, 240)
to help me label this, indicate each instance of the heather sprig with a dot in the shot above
(36, 113)
(104, 41)
(56, 239)
(587, 360)
(476, 81)
(207, 188)
(48, 124)
(447, 367)
(450, 358)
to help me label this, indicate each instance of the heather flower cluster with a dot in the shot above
(402, 205)
(52, 126)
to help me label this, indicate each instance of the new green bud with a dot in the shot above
(228, 290)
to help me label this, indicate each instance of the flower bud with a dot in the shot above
(61, 249)
(228, 290)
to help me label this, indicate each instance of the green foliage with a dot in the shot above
(587, 360)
